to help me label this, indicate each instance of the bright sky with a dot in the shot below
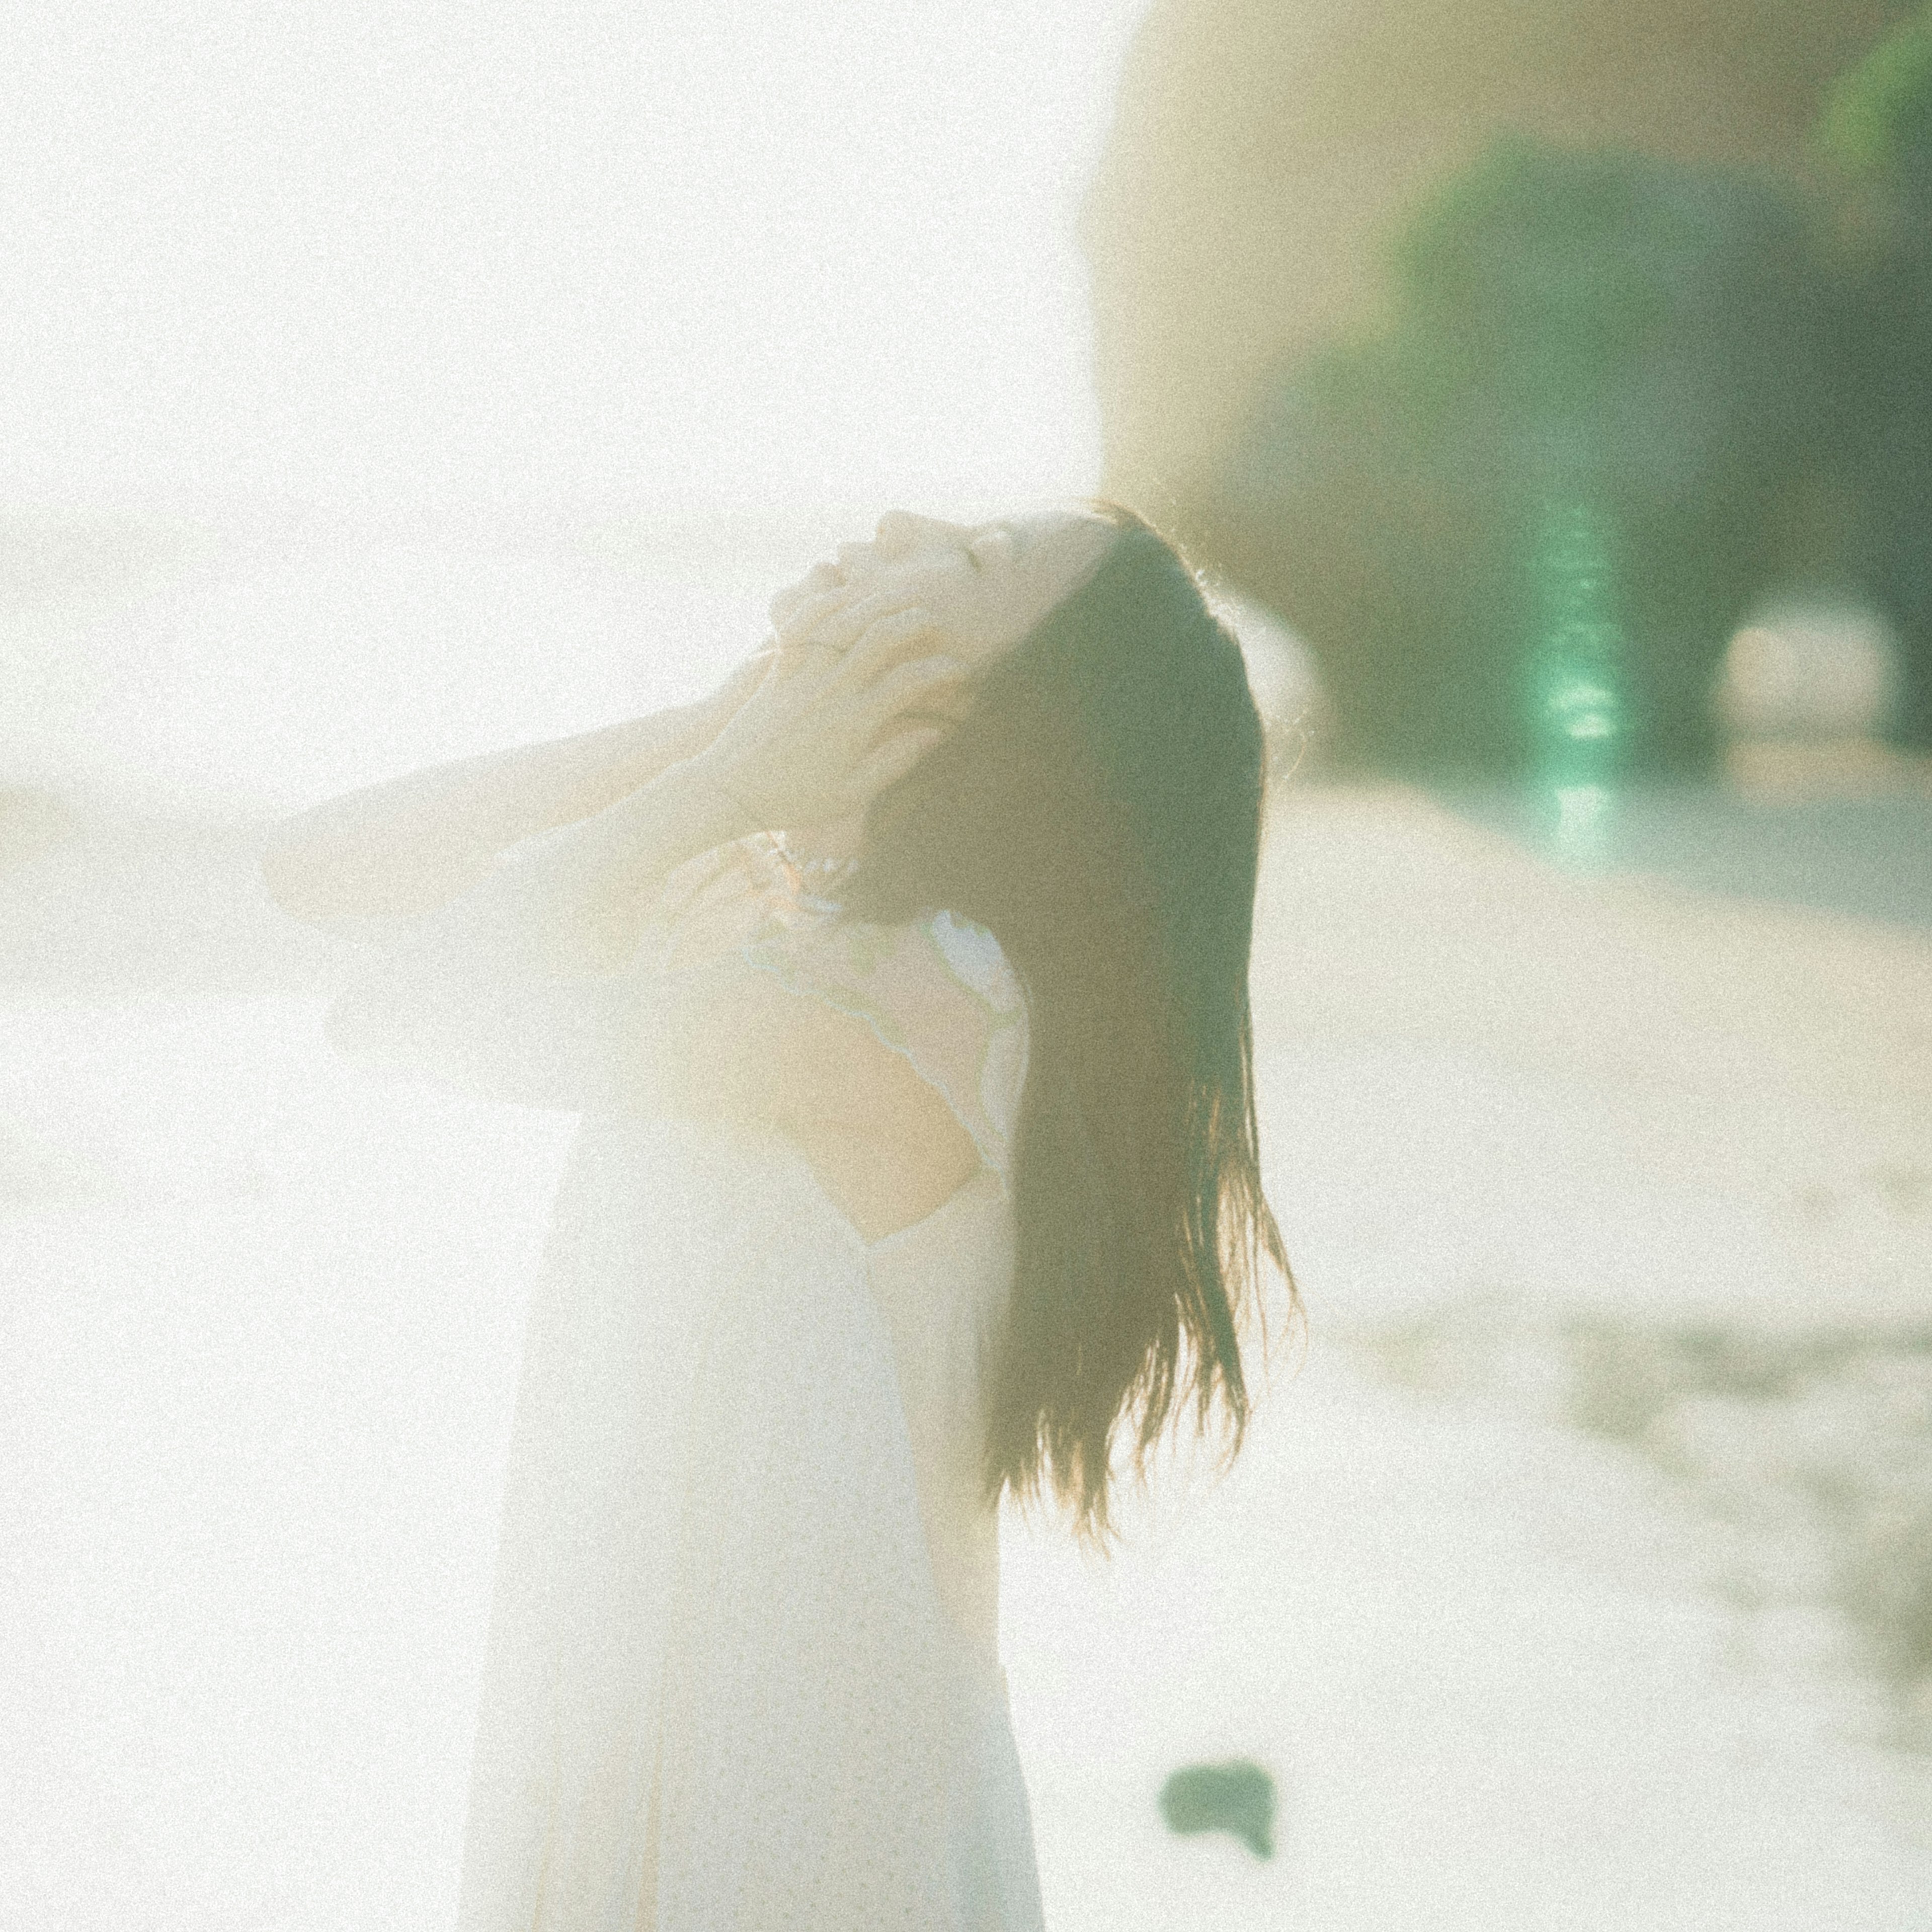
(492, 254)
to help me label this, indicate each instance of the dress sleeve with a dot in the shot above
(940, 992)
(500, 994)
(492, 994)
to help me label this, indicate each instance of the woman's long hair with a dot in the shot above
(1099, 810)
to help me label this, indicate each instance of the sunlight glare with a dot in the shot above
(518, 258)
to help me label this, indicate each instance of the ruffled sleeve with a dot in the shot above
(499, 993)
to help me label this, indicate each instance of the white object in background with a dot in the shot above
(1809, 672)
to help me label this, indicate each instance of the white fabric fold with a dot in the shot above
(501, 992)
(722, 1692)
(725, 1689)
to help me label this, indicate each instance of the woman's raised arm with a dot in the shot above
(517, 981)
(817, 734)
(412, 843)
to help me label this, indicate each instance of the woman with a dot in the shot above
(918, 1167)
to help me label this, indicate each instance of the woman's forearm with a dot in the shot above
(465, 991)
(414, 842)
(595, 879)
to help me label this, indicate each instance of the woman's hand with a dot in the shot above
(988, 586)
(822, 580)
(827, 725)
(836, 608)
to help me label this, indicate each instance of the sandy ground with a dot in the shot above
(1499, 1669)
(262, 1322)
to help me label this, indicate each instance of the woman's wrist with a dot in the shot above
(641, 748)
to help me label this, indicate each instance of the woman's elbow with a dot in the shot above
(312, 876)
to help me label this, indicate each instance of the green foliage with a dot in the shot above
(1548, 273)
(1878, 128)
(1882, 107)
(1585, 345)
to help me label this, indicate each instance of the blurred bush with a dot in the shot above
(1618, 400)
(1876, 130)
(1808, 1442)
(1519, 527)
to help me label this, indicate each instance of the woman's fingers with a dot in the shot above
(829, 725)
(842, 625)
(935, 683)
(805, 613)
(808, 656)
(893, 759)
(885, 641)
(822, 580)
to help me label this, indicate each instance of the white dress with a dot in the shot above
(743, 1670)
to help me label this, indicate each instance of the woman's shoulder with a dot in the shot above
(938, 990)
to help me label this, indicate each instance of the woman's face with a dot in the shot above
(985, 585)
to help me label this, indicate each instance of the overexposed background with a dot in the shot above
(310, 300)
(389, 383)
